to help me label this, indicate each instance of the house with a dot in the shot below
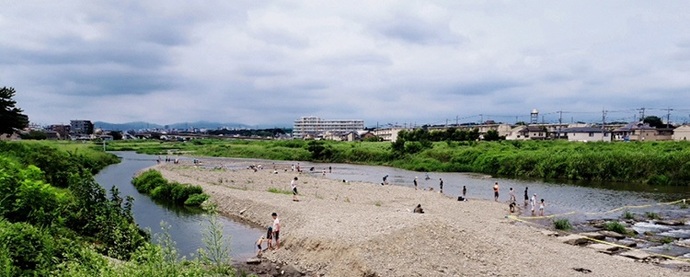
(681, 133)
(586, 134)
(527, 132)
(641, 132)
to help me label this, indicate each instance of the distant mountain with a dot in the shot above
(180, 126)
(125, 126)
(207, 125)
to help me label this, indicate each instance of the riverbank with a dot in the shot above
(363, 229)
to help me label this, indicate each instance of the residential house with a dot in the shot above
(528, 132)
(586, 134)
(681, 133)
(641, 132)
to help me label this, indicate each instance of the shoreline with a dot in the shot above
(364, 229)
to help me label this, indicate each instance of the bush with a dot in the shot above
(277, 190)
(562, 224)
(196, 199)
(617, 227)
(628, 215)
(148, 181)
(652, 215)
(28, 248)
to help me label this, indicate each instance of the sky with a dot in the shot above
(269, 63)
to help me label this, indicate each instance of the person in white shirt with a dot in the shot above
(276, 229)
(293, 184)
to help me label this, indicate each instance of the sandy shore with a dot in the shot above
(364, 229)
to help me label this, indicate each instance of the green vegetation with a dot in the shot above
(280, 191)
(76, 228)
(50, 213)
(628, 215)
(654, 163)
(617, 227)
(562, 224)
(652, 215)
(11, 117)
(153, 183)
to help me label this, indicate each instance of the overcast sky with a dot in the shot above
(271, 62)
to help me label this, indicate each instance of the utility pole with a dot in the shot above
(668, 117)
(603, 118)
(642, 113)
(481, 119)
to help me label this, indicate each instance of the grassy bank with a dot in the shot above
(55, 220)
(658, 163)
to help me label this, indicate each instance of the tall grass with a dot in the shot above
(655, 163)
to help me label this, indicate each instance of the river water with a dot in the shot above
(584, 201)
(187, 227)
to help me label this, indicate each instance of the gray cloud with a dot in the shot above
(270, 63)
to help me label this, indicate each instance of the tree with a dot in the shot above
(654, 121)
(116, 135)
(11, 117)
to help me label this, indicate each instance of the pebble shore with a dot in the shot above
(363, 229)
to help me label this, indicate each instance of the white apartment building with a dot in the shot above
(312, 126)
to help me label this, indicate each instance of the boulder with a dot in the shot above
(574, 239)
(636, 254)
(253, 261)
(670, 222)
(604, 248)
(611, 234)
(593, 235)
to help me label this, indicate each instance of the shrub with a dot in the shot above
(652, 215)
(148, 181)
(277, 190)
(617, 227)
(196, 199)
(562, 224)
(628, 215)
(29, 248)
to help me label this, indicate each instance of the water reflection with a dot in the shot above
(187, 226)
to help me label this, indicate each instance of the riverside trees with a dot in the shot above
(11, 117)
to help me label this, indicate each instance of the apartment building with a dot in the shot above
(313, 127)
(82, 127)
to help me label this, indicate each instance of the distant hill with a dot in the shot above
(125, 126)
(180, 126)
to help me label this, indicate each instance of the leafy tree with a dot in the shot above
(654, 121)
(11, 117)
(491, 135)
(34, 134)
(116, 135)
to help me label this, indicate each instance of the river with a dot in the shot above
(585, 201)
(186, 227)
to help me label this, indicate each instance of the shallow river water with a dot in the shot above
(186, 227)
(582, 201)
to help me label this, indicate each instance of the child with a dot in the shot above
(258, 245)
(541, 207)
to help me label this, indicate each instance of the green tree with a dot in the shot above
(654, 121)
(116, 135)
(11, 117)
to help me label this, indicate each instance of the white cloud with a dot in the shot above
(382, 61)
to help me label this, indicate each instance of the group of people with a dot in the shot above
(537, 208)
(272, 237)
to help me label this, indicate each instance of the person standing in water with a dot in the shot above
(496, 191)
(440, 184)
(526, 197)
(415, 182)
(464, 192)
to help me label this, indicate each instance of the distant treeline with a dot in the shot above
(659, 163)
(274, 132)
